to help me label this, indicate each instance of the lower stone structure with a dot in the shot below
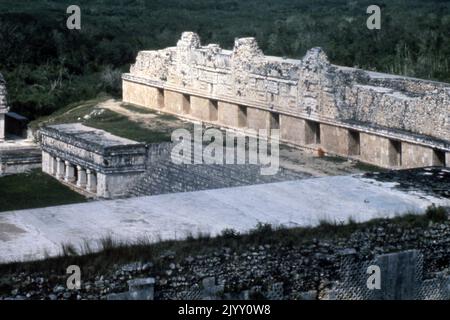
(91, 161)
(15, 159)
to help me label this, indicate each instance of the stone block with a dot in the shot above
(292, 129)
(210, 289)
(142, 289)
(142, 95)
(176, 102)
(401, 278)
(204, 109)
(257, 119)
(416, 156)
(47, 163)
(334, 139)
(139, 289)
(339, 140)
(380, 151)
(232, 115)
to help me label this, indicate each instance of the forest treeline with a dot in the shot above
(48, 66)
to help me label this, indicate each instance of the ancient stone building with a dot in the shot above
(386, 120)
(3, 107)
(91, 161)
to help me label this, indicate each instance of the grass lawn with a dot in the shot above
(136, 108)
(121, 126)
(34, 190)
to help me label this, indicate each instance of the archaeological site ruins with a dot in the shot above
(329, 131)
(16, 154)
(91, 160)
(389, 121)
(385, 120)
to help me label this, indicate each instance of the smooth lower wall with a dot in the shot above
(203, 109)
(143, 95)
(380, 151)
(335, 139)
(257, 119)
(231, 115)
(292, 129)
(114, 185)
(176, 102)
(414, 156)
(370, 148)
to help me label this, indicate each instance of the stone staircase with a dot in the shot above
(165, 176)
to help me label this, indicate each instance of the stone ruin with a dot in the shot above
(91, 161)
(3, 107)
(14, 157)
(386, 120)
(402, 278)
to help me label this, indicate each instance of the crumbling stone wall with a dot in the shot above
(306, 270)
(249, 87)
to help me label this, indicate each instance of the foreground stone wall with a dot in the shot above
(305, 266)
(307, 99)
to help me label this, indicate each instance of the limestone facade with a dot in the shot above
(91, 161)
(403, 122)
(3, 107)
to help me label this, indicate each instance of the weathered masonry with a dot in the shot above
(91, 161)
(390, 121)
(3, 107)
